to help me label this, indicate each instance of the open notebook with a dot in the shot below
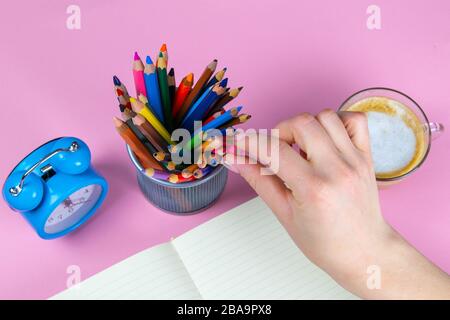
(242, 254)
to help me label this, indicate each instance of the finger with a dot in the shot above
(310, 136)
(335, 128)
(269, 187)
(356, 125)
(278, 156)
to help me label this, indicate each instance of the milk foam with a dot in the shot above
(392, 141)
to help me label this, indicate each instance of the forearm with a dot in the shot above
(404, 274)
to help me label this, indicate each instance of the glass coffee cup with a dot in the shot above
(399, 129)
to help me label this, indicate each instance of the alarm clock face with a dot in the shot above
(72, 209)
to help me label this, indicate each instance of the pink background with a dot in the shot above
(291, 56)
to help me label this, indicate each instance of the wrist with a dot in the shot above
(396, 270)
(371, 272)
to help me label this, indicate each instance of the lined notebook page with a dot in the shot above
(155, 273)
(246, 254)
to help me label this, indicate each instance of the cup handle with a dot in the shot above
(436, 129)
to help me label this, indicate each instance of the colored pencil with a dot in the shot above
(178, 178)
(140, 108)
(161, 156)
(138, 75)
(168, 165)
(232, 94)
(222, 119)
(203, 134)
(213, 116)
(150, 133)
(202, 105)
(121, 92)
(187, 172)
(196, 90)
(125, 113)
(164, 89)
(142, 138)
(152, 87)
(201, 172)
(217, 78)
(157, 174)
(235, 121)
(147, 160)
(213, 144)
(225, 132)
(172, 84)
(163, 51)
(182, 92)
(139, 135)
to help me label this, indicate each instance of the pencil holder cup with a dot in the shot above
(184, 198)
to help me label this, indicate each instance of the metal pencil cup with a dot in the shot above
(183, 198)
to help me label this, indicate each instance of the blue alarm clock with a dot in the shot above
(55, 187)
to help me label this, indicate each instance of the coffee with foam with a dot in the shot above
(397, 137)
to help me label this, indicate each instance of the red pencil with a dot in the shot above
(182, 92)
(178, 178)
(215, 115)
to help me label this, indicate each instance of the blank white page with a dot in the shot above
(155, 273)
(246, 254)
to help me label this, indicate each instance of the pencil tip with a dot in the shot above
(240, 88)
(224, 82)
(132, 99)
(163, 47)
(190, 77)
(136, 56)
(148, 60)
(171, 72)
(116, 81)
(213, 65)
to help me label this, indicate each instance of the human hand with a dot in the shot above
(327, 199)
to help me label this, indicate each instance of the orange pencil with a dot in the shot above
(196, 90)
(147, 160)
(163, 50)
(182, 92)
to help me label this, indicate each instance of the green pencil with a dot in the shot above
(164, 88)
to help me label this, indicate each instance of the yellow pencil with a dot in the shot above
(140, 108)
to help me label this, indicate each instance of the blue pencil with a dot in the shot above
(222, 119)
(152, 86)
(206, 131)
(217, 77)
(202, 105)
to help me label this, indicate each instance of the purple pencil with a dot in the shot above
(157, 174)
